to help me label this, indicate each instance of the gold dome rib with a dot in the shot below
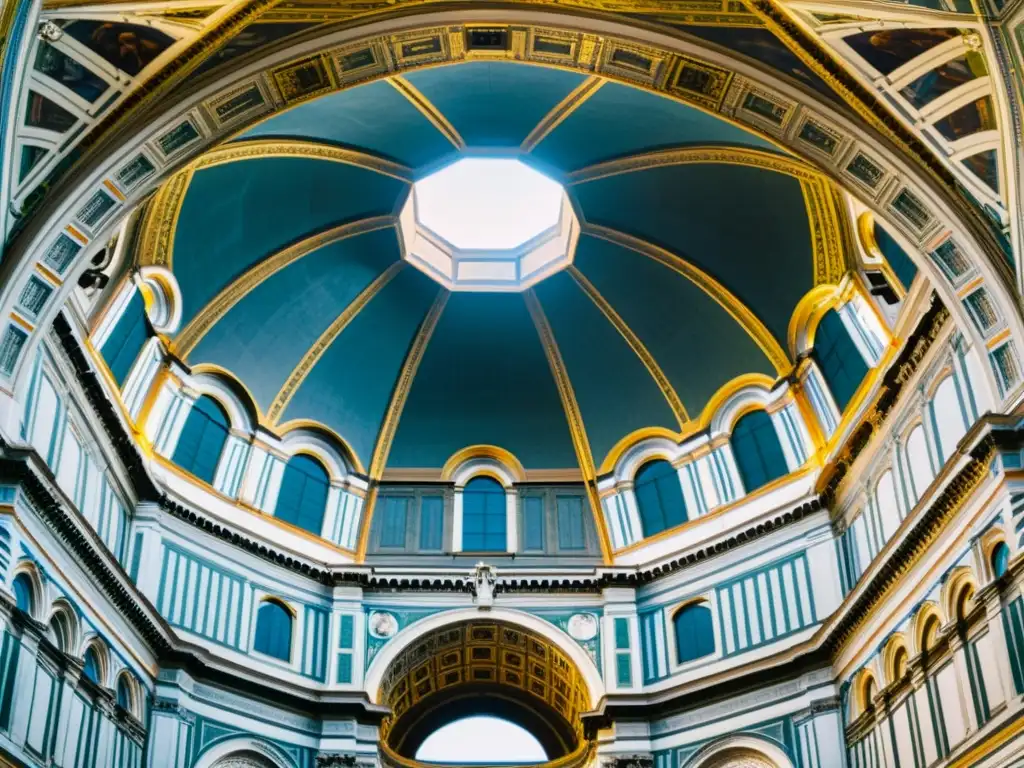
(323, 343)
(428, 110)
(613, 317)
(558, 113)
(393, 414)
(573, 415)
(190, 336)
(739, 311)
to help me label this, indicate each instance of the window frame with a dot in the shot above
(295, 634)
(673, 474)
(708, 599)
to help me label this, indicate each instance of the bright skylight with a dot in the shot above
(488, 224)
(488, 203)
(481, 739)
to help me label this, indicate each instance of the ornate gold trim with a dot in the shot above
(573, 416)
(160, 224)
(754, 158)
(826, 220)
(493, 452)
(399, 395)
(192, 334)
(257, 149)
(428, 110)
(576, 98)
(674, 401)
(739, 311)
(323, 343)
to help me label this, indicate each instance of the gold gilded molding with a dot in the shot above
(558, 113)
(674, 401)
(323, 343)
(428, 110)
(826, 220)
(156, 244)
(573, 415)
(258, 149)
(483, 451)
(753, 158)
(739, 311)
(216, 308)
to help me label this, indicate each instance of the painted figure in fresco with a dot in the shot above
(129, 47)
(943, 79)
(889, 49)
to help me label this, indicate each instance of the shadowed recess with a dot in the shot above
(601, 367)
(373, 117)
(494, 104)
(746, 227)
(262, 327)
(619, 120)
(484, 379)
(236, 214)
(674, 319)
(350, 388)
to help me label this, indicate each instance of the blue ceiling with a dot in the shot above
(484, 376)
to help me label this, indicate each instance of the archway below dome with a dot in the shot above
(482, 740)
(487, 668)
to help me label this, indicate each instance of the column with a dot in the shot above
(963, 677)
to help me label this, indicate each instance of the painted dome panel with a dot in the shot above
(350, 387)
(484, 378)
(494, 104)
(746, 227)
(316, 289)
(373, 117)
(602, 368)
(238, 213)
(620, 120)
(674, 319)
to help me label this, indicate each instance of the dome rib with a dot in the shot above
(725, 298)
(323, 343)
(190, 336)
(558, 113)
(645, 356)
(428, 110)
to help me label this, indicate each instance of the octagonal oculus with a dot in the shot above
(488, 224)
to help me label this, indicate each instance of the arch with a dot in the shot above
(273, 634)
(757, 450)
(302, 499)
(958, 593)
(947, 416)
(63, 623)
(757, 750)
(915, 447)
(464, 464)
(484, 516)
(127, 693)
(259, 753)
(838, 358)
(95, 662)
(866, 692)
(330, 448)
(162, 295)
(694, 631)
(736, 398)
(895, 658)
(202, 439)
(659, 497)
(807, 315)
(410, 634)
(637, 449)
(26, 596)
(927, 622)
(999, 559)
(230, 393)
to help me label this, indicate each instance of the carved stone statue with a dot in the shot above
(484, 577)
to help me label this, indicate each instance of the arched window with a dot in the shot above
(22, 587)
(273, 631)
(202, 439)
(124, 694)
(930, 633)
(900, 661)
(483, 516)
(901, 263)
(1000, 559)
(303, 496)
(948, 416)
(92, 668)
(757, 449)
(126, 339)
(869, 692)
(659, 497)
(695, 635)
(838, 358)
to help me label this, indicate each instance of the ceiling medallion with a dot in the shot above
(488, 224)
